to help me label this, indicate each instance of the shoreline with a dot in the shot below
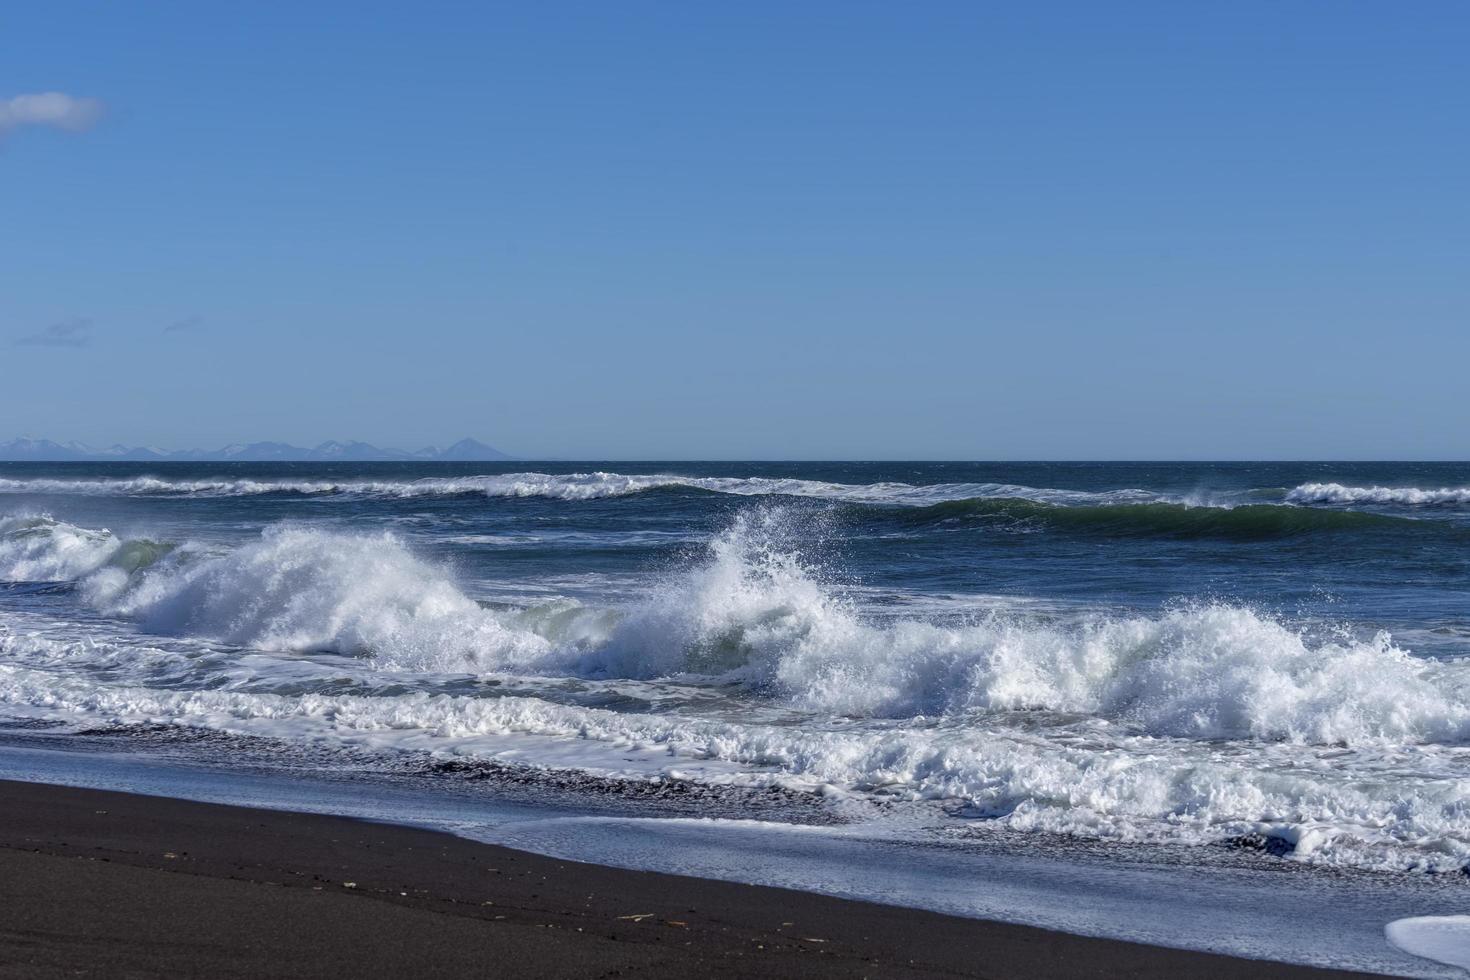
(121, 883)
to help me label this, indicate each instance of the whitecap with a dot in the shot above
(1336, 493)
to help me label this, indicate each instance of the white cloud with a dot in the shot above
(55, 109)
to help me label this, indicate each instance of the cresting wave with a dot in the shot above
(39, 549)
(1201, 724)
(1336, 493)
(150, 486)
(753, 613)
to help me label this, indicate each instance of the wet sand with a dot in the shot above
(107, 884)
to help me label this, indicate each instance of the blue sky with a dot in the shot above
(765, 230)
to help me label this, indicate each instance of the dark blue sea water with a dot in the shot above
(1268, 657)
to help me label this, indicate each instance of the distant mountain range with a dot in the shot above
(44, 450)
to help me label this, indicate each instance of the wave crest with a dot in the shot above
(304, 589)
(42, 549)
(1336, 493)
(756, 612)
(753, 611)
(565, 486)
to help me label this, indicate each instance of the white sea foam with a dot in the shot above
(754, 613)
(1442, 938)
(304, 589)
(1200, 724)
(570, 486)
(603, 485)
(1104, 785)
(143, 486)
(40, 549)
(1336, 493)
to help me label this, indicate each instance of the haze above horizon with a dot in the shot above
(832, 231)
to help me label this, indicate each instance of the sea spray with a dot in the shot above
(752, 612)
(37, 548)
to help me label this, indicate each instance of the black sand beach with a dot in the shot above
(114, 884)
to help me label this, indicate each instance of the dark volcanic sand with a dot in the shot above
(111, 884)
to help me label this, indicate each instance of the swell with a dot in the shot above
(603, 485)
(563, 486)
(1250, 522)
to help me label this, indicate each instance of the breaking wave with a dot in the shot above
(1336, 493)
(41, 549)
(1204, 723)
(753, 612)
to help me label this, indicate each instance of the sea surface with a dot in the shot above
(1235, 668)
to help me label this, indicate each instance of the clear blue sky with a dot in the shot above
(855, 230)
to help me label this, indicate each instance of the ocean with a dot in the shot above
(1238, 669)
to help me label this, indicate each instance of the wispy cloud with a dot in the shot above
(55, 109)
(76, 332)
(186, 325)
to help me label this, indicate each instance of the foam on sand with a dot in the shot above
(1442, 938)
